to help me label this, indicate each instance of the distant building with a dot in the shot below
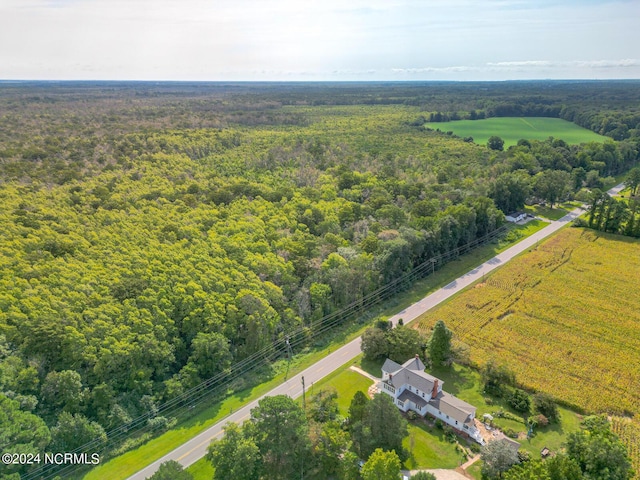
(413, 389)
(515, 217)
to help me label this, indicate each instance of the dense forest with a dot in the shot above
(155, 234)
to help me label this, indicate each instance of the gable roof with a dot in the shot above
(410, 373)
(389, 366)
(420, 380)
(414, 364)
(454, 407)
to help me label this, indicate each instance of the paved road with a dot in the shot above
(194, 449)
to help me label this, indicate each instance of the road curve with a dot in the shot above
(195, 448)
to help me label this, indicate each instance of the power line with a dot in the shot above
(299, 336)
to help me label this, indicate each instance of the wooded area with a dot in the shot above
(156, 234)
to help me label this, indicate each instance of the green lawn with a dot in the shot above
(465, 383)
(130, 462)
(556, 213)
(345, 382)
(428, 448)
(475, 470)
(512, 129)
(201, 470)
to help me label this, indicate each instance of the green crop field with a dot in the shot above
(512, 129)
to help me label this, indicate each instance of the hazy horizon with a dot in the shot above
(285, 40)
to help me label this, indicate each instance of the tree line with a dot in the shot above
(187, 239)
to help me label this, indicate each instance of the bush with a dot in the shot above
(449, 434)
(510, 432)
(439, 424)
(541, 420)
(520, 401)
(496, 377)
(475, 447)
(158, 423)
(523, 456)
(545, 405)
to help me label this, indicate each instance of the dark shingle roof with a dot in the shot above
(420, 380)
(454, 407)
(389, 366)
(414, 364)
(407, 395)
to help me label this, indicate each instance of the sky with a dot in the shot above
(326, 40)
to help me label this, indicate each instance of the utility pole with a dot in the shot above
(289, 355)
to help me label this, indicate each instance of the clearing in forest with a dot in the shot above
(512, 129)
(564, 317)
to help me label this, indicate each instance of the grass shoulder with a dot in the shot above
(204, 416)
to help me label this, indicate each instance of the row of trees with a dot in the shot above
(188, 239)
(578, 103)
(612, 215)
(281, 440)
(190, 250)
(400, 343)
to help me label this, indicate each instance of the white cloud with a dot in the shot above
(315, 39)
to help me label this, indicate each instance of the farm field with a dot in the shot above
(629, 431)
(561, 317)
(512, 129)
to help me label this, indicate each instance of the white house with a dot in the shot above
(515, 217)
(413, 389)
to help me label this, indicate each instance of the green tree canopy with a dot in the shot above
(495, 143)
(423, 476)
(358, 407)
(235, 455)
(381, 465)
(382, 426)
(171, 470)
(551, 185)
(598, 451)
(496, 377)
(632, 180)
(403, 343)
(279, 428)
(498, 457)
(439, 346)
(20, 432)
(73, 431)
(546, 405)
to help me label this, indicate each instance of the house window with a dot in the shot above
(422, 394)
(447, 417)
(466, 427)
(456, 422)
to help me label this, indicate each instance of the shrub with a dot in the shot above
(158, 423)
(411, 415)
(510, 432)
(449, 434)
(523, 456)
(545, 405)
(520, 401)
(542, 420)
